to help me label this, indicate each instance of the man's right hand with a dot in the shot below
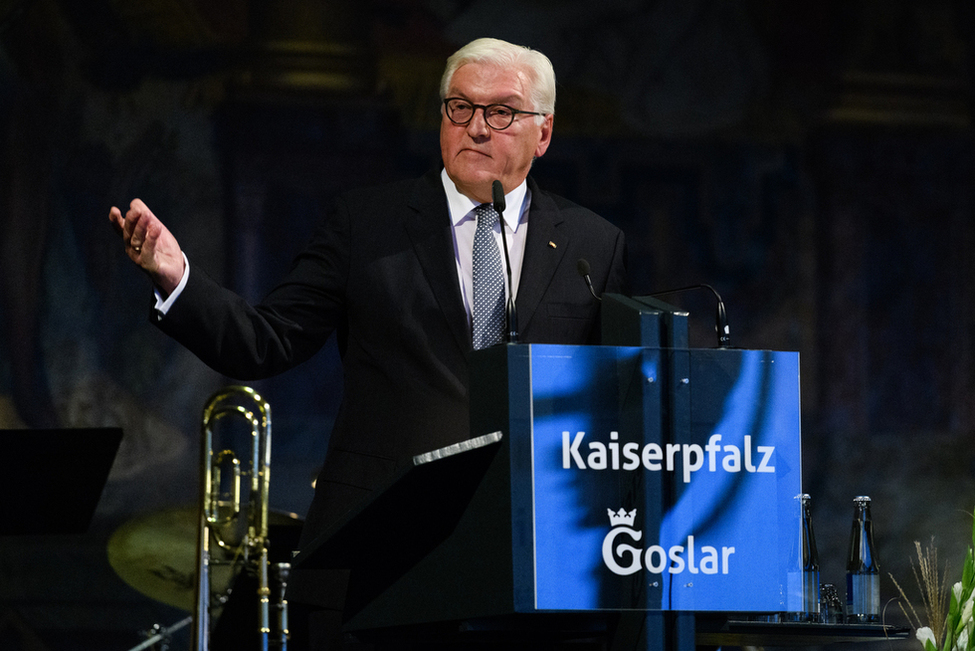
(150, 245)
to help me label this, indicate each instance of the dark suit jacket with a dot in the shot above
(380, 273)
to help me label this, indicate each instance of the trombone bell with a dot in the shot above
(239, 535)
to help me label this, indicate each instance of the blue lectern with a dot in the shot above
(604, 488)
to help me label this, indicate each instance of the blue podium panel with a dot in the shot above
(660, 479)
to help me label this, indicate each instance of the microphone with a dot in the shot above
(582, 266)
(497, 196)
(720, 315)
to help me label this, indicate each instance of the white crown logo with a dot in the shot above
(621, 517)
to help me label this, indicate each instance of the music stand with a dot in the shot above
(405, 520)
(55, 478)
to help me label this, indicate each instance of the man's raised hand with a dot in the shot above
(150, 245)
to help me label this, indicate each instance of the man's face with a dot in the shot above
(475, 155)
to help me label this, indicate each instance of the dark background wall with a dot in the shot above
(812, 161)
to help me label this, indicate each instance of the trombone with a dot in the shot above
(221, 522)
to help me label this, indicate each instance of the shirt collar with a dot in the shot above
(461, 206)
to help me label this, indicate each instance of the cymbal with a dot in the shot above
(157, 555)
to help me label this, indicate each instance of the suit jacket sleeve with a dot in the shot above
(288, 326)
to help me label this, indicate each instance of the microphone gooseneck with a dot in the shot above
(582, 266)
(720, 315)
(497, 196)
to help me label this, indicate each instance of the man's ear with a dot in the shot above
(546, 138)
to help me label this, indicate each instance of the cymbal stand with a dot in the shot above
(162, 635)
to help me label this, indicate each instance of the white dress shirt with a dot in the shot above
(464, 223)
(163, 304)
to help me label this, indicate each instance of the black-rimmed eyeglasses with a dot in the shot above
(497, 116)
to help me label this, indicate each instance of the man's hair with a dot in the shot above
(541, 74)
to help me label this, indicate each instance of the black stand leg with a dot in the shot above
(656, 631)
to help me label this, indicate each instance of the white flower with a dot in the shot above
(925, 636)
(956, 591)
(962, 643)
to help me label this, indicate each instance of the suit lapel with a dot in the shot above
(429, 230)
(544, 248)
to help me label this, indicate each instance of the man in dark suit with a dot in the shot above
(391, 272)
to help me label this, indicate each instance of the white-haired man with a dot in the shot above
(392, 271)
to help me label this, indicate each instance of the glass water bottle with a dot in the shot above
(804, 574)
(862, 573)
